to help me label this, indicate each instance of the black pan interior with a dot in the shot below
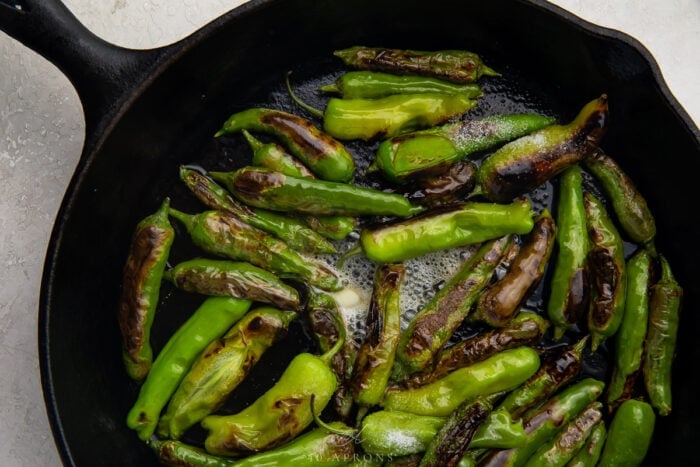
(550, 64)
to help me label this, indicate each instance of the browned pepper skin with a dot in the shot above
(445, 187)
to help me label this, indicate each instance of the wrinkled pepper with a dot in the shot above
(589, 454)
(282, 412)
(446, 187)
(501, 301)
(232, 279)
(457, 66)
(529, 161)
(221, 367)
(432, 327)
(629, 342)
(501, 372)
(606, 265)
(293, 231)
(141, 280)
(568, 297)
(321, 153)
(278, 192)
(629, 434)
(224, 235)
(208, 322)
(178, 454)
(665, 303)
(439, 229)
(407, 156)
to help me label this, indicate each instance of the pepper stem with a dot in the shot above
(330, 88)
(312, 110)
(349, 432)
(186, 219)
(345, 256)
(255, 144)
(342, 335)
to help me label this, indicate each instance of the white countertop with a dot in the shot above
(41, 137)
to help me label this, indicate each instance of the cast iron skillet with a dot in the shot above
(146, 112)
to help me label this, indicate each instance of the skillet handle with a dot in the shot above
(101, 72)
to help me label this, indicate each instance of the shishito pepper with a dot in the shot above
(278, 192)
(629, 434)
(297, 234)
(142, 276)
(232, 279)
(409, 155)
(224, 235)
(589, 454)
(568, 298)
(665, 302)
(213, 317)
(439, 229)
(373, 85)
(321, 153)
(221, 367)
(502, 372)
(457, 66)
(526, 163)
(282, 412)
(443, 188)
(375, 357)
(433, 326)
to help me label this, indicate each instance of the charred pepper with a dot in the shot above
(589, 453)
(665, 302)
(278, 192)
(409, 155)
(232, 279)
(142, 276)
(526, 163)
(178, 454)
(447, 187)
(213, 317)
(457, 66)
(321, 153)
(221, 367)
(629, 434)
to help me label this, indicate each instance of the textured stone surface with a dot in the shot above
(41, 136)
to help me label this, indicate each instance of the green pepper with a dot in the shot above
(278, 192)
(568, 298)
(459, 225)
(282, 412)
(629, 434)
(529, 161)
(560, 449)
(322, 154)
(373, 85)
(272, 156)
(502, 372)
(409, 155)
(433, 326)
(665, 301)
(629, 341)
(630, 207)
(221, 367)
(525, 329)
(232, 279)
(545, 421)
(224, 235)
(294, 232)
(457, 66)
(500, 301)
(142, 275)
(213, 317)
(606, 264)
(589, 454)
(178, 454)
(375, 357)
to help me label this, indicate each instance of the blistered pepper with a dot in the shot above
(142, 276)
(629, 434)
(178, 454)
(457, 66)
(589, 454)
(232, 279)
(433, 326)
(224, 235)
(293, 231)
(450, 227)
(526, 163)
(221, 367)
(278, 192)
(665, 302)
(321, 153)
(213, 317)
(443, 188)
(410, 155)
